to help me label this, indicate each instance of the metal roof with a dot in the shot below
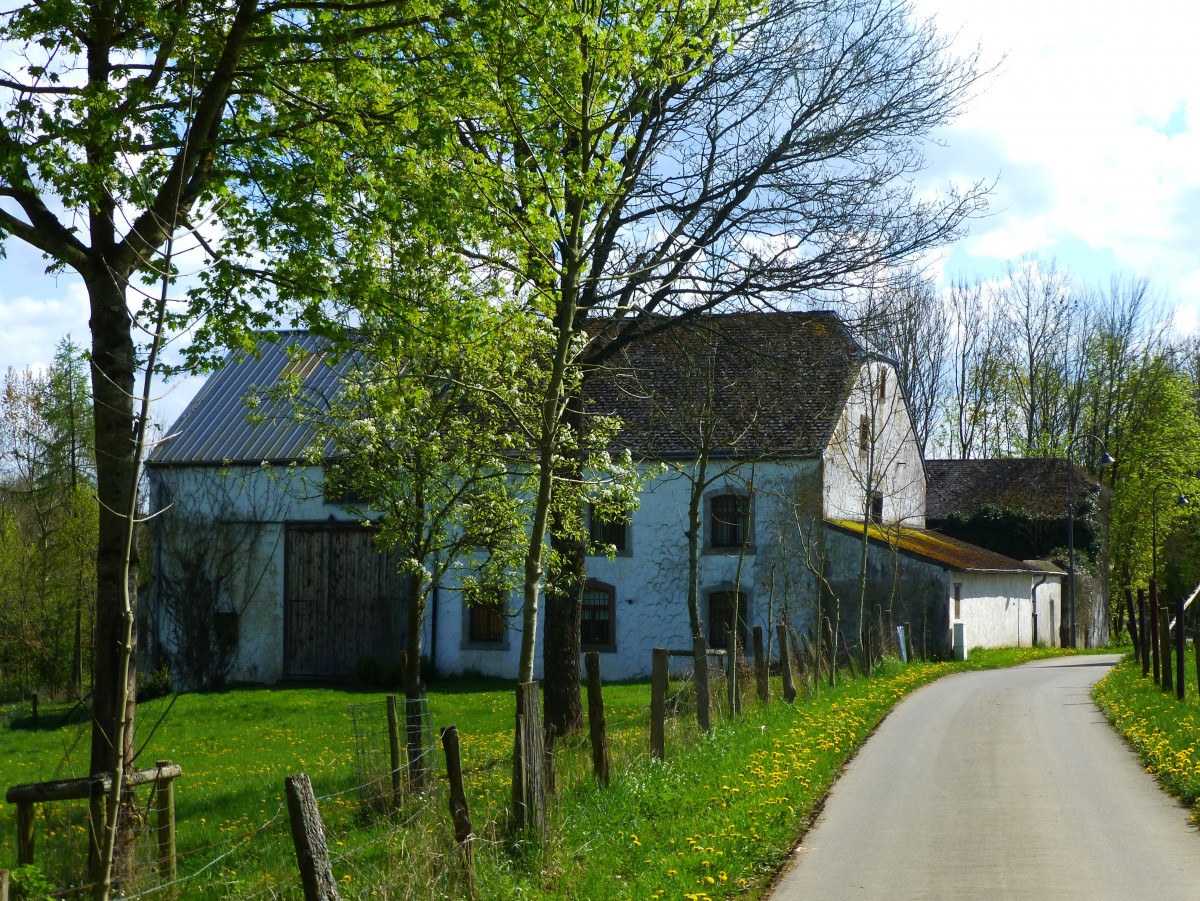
(215, 428)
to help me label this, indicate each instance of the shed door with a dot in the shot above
(344, 602)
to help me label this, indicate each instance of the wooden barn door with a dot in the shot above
(344, 602)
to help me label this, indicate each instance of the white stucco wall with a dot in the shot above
(997, 609)
(891, 462)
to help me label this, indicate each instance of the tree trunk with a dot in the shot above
(414, 722)
(113, 389)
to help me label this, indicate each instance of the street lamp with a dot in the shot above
(1180, 501)
(1106, 460)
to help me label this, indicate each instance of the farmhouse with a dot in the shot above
(780, 430)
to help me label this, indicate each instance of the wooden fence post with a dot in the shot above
(529, 757)
(1145, 632)
(25, 826)
(1133, 626)
(597, 726)
(1154, 636)
(659, 677)
(393, 721)
(164, 803)
(3, 885)
(308, 835)
(1164, 624)
(761, 667)
(1180, 650)
(464, 832)
(785, 663)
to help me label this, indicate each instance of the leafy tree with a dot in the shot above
(649, 162)
(124, 126)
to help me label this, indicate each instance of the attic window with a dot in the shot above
(883, 384)
(864, 433)
(301, 366)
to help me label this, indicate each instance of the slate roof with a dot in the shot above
(1035, 486)
(779, 382)
(214, 429)
(940, 549)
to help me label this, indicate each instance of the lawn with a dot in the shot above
(715, 819)
(1163, 731)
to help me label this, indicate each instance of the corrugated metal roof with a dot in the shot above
(215, 427)
(939, 548)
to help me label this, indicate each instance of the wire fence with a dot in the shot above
(383, 843)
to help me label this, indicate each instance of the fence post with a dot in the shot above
(1164, 624)
(1133, 625)
(3, 885)
(308, 835)
(464, 832)
(761, 670)
(25, 824)
(659, 675)
(529, 783)
(1145, 632)
(164, 802)
(597, 727)
(785, 663)
(731, 674)
(1154, 636)
(1180, 649)
(393, 720)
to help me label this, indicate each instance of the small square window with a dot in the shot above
(877, 507)
(605, 533)
(485, 616)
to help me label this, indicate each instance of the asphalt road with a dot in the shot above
(999, 784)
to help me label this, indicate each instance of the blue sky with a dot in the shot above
(1091, 123)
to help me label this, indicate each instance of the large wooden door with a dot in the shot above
(345, 601)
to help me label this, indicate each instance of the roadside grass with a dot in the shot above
(1164, 732)
(715, 819)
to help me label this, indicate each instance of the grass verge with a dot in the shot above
(714, 820)
(1163, 731)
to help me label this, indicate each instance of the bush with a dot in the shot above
(156, 684)
(29, 883)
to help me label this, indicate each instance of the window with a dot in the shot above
(864, 433)
(485, 615)
(958, 600)
(597, 619)
(877, 507)
(720, 617)
(729, 516)
(604, 533)
(883, 384)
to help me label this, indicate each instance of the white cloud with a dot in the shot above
(1091, 122)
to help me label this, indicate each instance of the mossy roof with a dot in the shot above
(939, 548)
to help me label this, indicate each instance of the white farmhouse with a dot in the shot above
(788, 432)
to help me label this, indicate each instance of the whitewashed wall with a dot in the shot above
(997, 609)
(892, 462)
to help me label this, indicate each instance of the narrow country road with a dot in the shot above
(998, 784)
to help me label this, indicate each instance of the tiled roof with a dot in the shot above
(941, 549)
(778, 383)
(215, 428)
(1034, 486)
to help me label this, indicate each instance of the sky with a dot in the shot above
(1090, 125)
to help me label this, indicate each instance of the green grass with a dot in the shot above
(1163, 731)
(715, 819)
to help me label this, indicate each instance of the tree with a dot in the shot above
(123, 126)
(649, 164)
(423, 436)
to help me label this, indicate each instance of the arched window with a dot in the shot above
(598, 618)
